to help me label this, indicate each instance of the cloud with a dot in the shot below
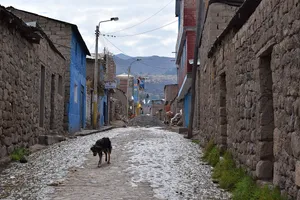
(87, 15)
(168, 41)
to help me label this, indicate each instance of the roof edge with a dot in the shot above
(228, 2)
(74, 27)
(33, 29)
(237, 21)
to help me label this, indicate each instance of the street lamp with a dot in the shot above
(138, 59)
(95, 96)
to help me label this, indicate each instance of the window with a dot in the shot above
(60, 85)
(75, 93)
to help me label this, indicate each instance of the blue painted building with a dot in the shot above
(187, 108)
(68, 40)
(77, 104)
(102, 100)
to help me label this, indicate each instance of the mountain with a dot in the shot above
(159, 71)
(148, 65)
(123, 56)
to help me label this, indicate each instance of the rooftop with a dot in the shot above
(74, 27)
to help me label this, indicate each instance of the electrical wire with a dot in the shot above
(148, 31)
(114, 45)
(143, 20)
(124, 68)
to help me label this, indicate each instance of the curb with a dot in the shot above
(93, 132)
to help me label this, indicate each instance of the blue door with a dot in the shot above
(187, 108)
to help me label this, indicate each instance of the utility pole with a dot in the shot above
(194, 73)
(128, 90)
(95, 91)
(129, 68)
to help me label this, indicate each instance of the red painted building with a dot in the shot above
(186, 12)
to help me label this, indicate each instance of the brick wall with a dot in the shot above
(189, 13)
(171, 92)
(186, 37)
(123, 85)
(110, 69)
(20, 87)
(249, 100)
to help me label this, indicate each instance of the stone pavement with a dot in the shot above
(146, 163)
(93, 131)
(106, 182)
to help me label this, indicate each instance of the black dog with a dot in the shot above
(102, 145)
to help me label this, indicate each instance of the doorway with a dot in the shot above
(82, 106)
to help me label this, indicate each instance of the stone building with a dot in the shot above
(107, 81)
(31, 84)
(171, 92)
(102, 97)
(157, 109)
(122, 83)
(248, 87)
(68, 40)
(119, 104)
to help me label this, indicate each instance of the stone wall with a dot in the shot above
(218, 16)
(21, 122)
(121, 96)
(249, 99)
(68, 41)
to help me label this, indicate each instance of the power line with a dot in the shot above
(114, 45)
(124, 68)
(148, 31)
(143, 20)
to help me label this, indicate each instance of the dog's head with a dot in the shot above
(94, 149)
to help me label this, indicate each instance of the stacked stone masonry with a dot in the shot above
(249, 98)
(21, 63)
(61, 35)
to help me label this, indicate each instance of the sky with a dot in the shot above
(87, 14)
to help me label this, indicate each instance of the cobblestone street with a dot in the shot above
(146, 163)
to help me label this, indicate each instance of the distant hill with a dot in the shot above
(148, 65)
(123, 56)
(160, 71)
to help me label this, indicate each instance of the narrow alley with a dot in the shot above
(146, 163)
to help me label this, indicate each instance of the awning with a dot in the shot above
(186, 85)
